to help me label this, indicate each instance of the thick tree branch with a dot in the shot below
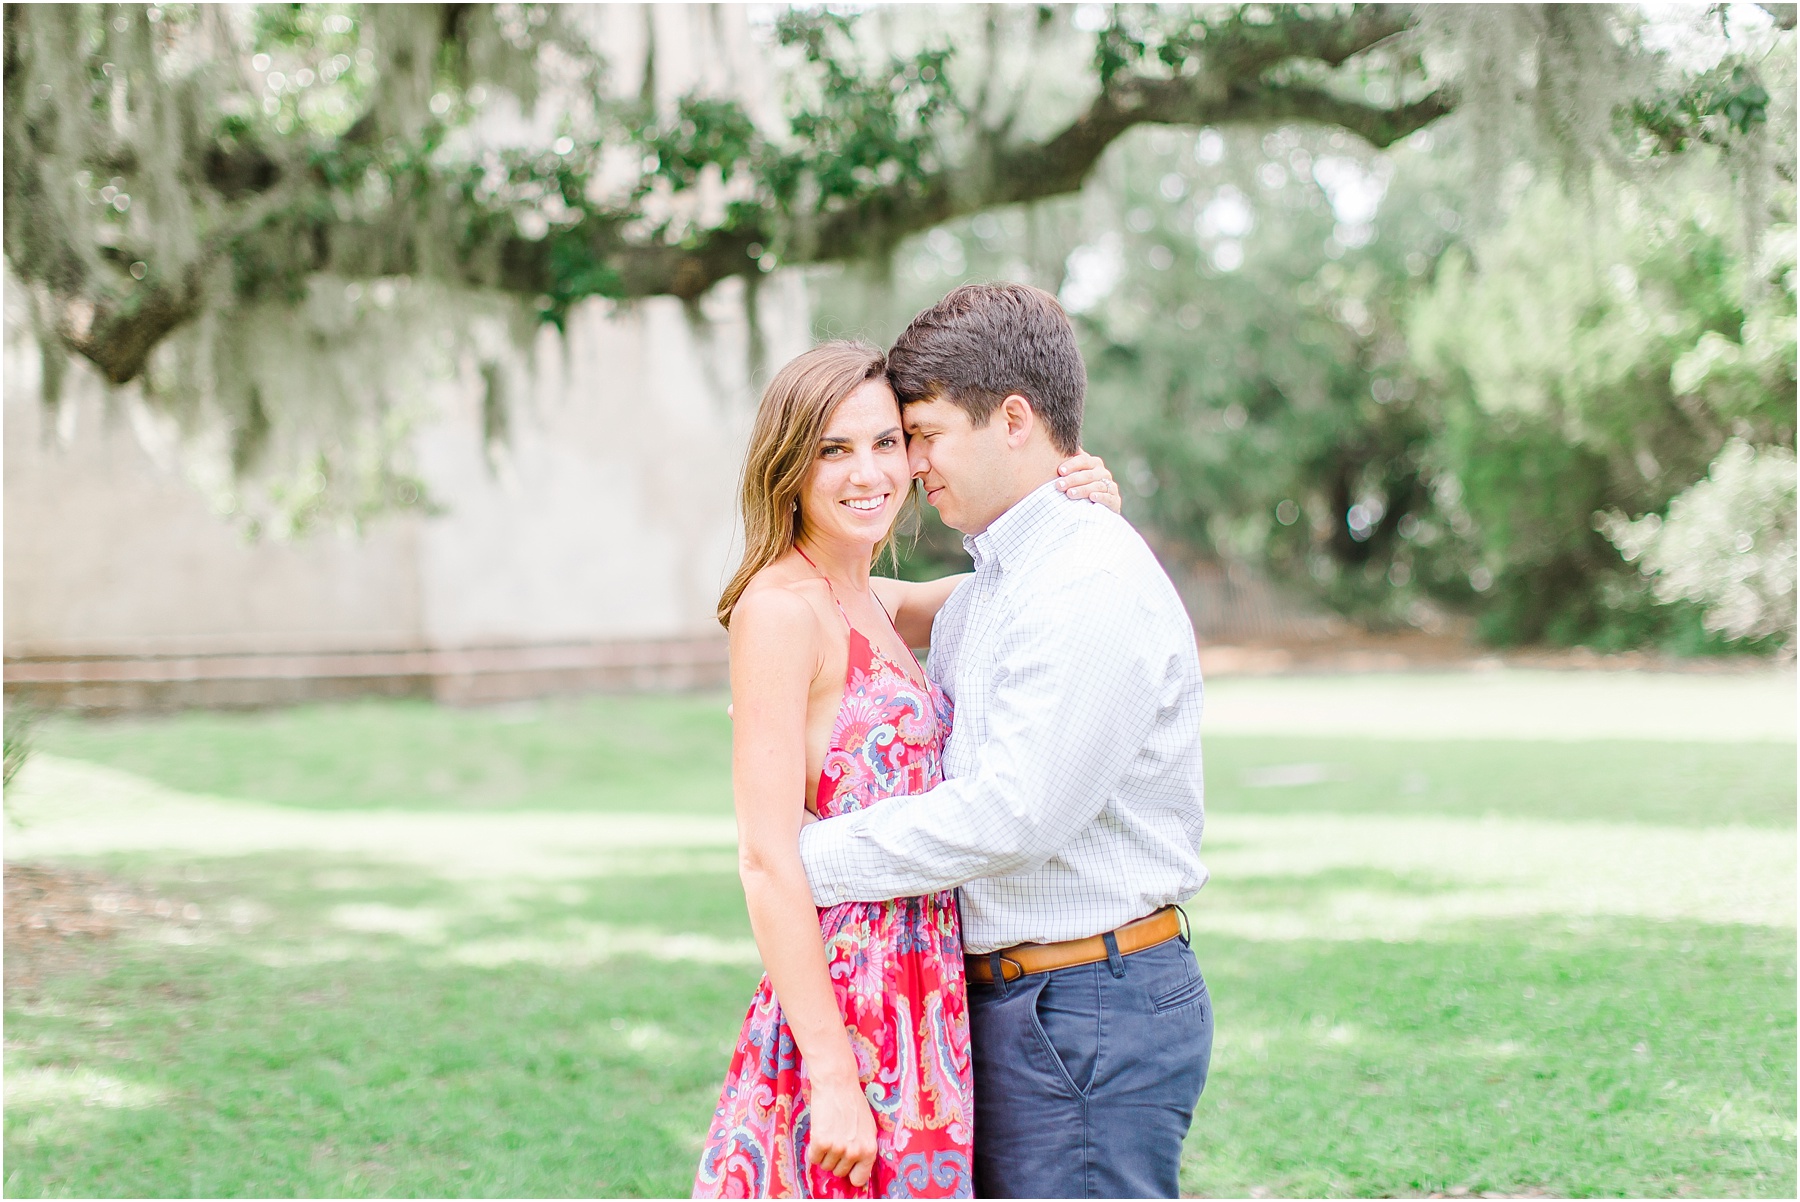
(1230, 78)
(1380, 127)
(1243, 49)
(118, 331)
(1232, 92)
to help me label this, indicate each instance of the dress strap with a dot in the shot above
(834, 597)
(852, 626)
(893, 626)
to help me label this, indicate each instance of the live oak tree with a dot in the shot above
(147, 146)
(255, 138)
(175, 175)
(180, 180)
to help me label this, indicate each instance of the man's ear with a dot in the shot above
(1020, 418)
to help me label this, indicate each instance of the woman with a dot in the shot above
(857, 1082)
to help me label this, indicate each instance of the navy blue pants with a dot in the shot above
(1086, 1078)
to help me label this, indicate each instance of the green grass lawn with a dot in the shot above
(360, 1023)
(653, 752)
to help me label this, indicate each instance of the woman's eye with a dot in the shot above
(886, 444)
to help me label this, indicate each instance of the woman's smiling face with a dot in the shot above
(860, 475)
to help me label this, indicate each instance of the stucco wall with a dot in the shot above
(608, 515)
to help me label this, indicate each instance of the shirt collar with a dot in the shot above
(1017, 528)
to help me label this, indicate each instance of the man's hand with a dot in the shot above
(842, 1138)
(1085, 477)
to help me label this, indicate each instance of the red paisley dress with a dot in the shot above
(897, 969)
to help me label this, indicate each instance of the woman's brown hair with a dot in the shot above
(784, 443)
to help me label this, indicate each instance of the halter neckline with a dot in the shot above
(851, 626)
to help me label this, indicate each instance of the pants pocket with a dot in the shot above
(1067, 1015)
(1187, 989)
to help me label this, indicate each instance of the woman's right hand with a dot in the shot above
(842, 1136)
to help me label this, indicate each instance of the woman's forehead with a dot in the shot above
(870, 409)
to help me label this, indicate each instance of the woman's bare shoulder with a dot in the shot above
(780, 600)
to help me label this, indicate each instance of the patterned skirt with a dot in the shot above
(897, 970)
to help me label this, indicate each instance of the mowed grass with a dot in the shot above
(344, 1025)
(673, 754)
(379, 1073)
(1609, 1059)
(1663, 783)
(653, 752)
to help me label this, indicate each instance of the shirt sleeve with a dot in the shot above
(1074, 696)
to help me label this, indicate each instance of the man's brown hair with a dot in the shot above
(985, 342)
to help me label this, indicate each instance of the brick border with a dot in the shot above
(463, 676)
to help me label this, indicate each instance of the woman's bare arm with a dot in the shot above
(915, 603)
(775, 654)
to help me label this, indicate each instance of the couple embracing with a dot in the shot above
(962, 880)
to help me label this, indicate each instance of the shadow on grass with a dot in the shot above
(1603, 1057)
(377, 1068)
(1591, 1059)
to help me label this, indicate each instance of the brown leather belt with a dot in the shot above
(1026, 958)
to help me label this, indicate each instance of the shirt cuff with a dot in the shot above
(825, 854)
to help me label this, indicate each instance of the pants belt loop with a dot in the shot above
(997, 966)
(1114, 960)
(1187, 928)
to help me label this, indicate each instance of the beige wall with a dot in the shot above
(608, 516)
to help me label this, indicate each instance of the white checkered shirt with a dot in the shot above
(1075, 801)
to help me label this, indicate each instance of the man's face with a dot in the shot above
(962, 466)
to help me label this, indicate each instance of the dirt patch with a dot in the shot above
(56, 917)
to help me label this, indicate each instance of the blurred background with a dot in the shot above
(376, 383)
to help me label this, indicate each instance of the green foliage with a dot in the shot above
(1411, 424)
(1115, 51)
(1557, 363)
(1721, 102)
(1249, 369)
(861, 131)
(705, 132)
(1728, 544)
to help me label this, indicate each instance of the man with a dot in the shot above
(1072, 821)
